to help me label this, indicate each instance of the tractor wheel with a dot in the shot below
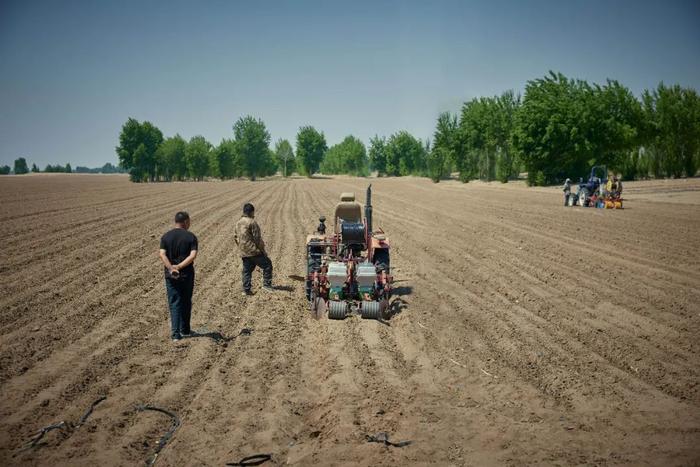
(583, 198)
(370, 310)
(313, 265)
(337, 310)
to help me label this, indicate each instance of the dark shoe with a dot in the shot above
(177, 339)
(268, 288)
(188, 334)
(247, 293)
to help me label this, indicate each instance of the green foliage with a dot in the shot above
(5, 170)
(566, 126)
(197, 157)
(170, 159)
(225, 161)
(138, 143)
(405, 155)
(672, 130)
(54, 169)
(21, 167)
(485, 144)
(35, 169)
(69, 169)
(446, 144)
(108, 168)
(284, 157)
(348, 157)
(377, 155)
(252, 145)
(311, 147)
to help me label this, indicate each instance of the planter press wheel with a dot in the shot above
(337, 310)
(371, 310)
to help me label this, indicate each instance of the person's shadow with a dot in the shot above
(285, 288)
(216, 336)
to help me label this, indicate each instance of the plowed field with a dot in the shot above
(532, 333)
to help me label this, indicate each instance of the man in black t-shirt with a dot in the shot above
(178, 249)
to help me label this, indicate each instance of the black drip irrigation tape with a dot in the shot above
(383, 437)
(256, 459)
(34, 442)
(167, 436)
(88, 412)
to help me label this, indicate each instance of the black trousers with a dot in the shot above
(249, 264)
(180, 302)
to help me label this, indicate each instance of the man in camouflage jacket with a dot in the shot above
(250, 243)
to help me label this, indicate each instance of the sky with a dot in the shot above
(72, 72)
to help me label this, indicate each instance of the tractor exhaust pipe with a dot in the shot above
(368, 209)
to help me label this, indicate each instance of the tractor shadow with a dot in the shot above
(402, 291)
(396, 306)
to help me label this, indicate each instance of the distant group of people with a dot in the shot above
(178, 250)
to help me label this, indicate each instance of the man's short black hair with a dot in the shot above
(248, 209)
(181, 217)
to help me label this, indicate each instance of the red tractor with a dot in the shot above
(348, 271)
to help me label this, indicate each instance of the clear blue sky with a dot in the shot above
(71, 73)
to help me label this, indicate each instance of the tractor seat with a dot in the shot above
(348, 210)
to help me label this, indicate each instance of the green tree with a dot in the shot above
(565, 126)
(284, 155)
(507, 106)
(311, 147)
(346, 157)
(68, 169)
(131, 137)
(445, 146)
(377, 155)
(227, 161)
(405, 155)
(21, 166)
(252, 143)
(553, 128)
(672, 130)
(170, 159)
(197, 157)
(35, 169)
(5, 170)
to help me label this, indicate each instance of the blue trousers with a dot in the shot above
(180, 302)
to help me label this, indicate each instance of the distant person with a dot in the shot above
(567, 191)
(178, 249)
(618, 192)
(250, 243)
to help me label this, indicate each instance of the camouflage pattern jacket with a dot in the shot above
(248, 237)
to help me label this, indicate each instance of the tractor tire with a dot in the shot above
(313, 264)
(583, 198)
(381, 260)
(371, 310)
(337, 309)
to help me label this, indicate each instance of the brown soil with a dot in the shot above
(533, 333)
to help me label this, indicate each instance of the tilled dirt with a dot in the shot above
(531, 333)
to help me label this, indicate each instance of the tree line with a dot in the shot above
(562, 127)
(559, 128)
(21, 167)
